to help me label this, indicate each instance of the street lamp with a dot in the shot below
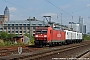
(29, 27)
(72, 22)
(61, 21)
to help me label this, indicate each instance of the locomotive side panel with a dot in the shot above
(49, 34)
(57, 35)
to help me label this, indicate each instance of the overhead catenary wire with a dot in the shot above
(48, 2)
(58, 7)
(26, 8)
(63, 10)
(13, 4)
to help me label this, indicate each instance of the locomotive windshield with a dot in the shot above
(41, 31)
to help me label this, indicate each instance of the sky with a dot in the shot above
(23, 9)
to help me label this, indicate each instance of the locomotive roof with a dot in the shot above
(42, 28)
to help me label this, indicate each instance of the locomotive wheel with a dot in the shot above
(51, 44)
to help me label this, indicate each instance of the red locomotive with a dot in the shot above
(49, 36)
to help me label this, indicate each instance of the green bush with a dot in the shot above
(7, 39)
(86, 37)
(2, 43)
(7, 43)
(3, 35)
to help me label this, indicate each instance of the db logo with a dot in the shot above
(58, 35)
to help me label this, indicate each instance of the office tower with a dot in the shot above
(6, 13)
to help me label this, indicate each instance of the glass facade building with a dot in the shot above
(22, 27)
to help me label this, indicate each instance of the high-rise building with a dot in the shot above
(4, 17)
(81, 23)
(84, 29)
(6, 13)
(79, 27)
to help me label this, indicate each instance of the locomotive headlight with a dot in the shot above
(36, 35)
(45, 35)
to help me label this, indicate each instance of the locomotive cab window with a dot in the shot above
(38, 31)
(44, 31)
(41, 31)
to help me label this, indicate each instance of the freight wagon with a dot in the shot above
(50, 36)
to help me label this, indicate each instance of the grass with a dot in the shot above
(86, 37)
(8, 43)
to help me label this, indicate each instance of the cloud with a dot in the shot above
(88, 5)
(12, 9)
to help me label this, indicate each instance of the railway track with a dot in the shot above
(71, 54)
(82, 56)
(44, 54)
(57, 51)
(14, 50)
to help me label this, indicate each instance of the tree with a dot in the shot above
(11, 35)
(3, 35)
